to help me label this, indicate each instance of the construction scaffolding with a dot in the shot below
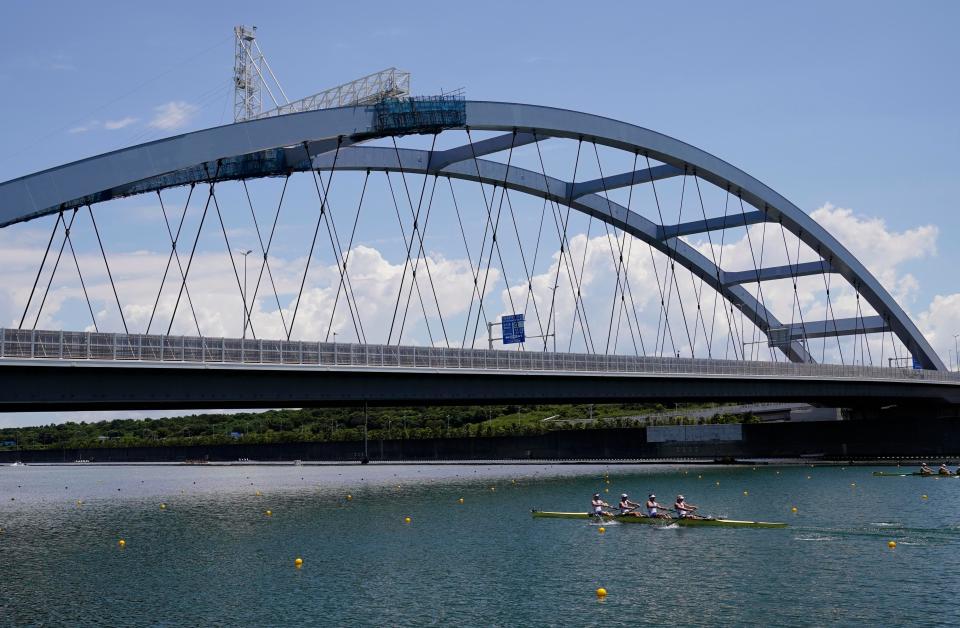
(420, 114)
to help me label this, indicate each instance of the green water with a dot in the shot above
(213, 557)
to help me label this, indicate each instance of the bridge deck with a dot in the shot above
(159, 351)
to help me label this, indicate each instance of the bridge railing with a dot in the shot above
(73, 346)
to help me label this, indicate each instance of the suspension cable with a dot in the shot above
(347, 257)
(174, 254)
(422, 252)
(265, 264)
(495, 224)
(526, 269)
(719, 265)
(66, 230)
(43, 262)
(83, 285)
(420, 233)
(334, 238)
(560, 223)
(193, 250)
(408, 245)
(827, 281)
(474, 275)
(413, 279)
(796, 307)
(756, 270)
(233, 264)
(107, 265)
(617, 259)
(531, 296)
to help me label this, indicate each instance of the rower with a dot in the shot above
(685, 510)
(597, 504)
(943, 470)
(628, 507)
(654, 509)
(925, 470)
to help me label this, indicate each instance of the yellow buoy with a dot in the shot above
(269, 513)
(258, 493)
(746, 492)
(778, 473)
(513, 481)
(407, 520)
(794, 509)
(493, 488)
(601, 592)
(891, 544)
(460, 500)
(122, 543)
(699, 477)
(79, 502)
(349, 497)
(923, 497)
(718, 483)
(808, 477)
(298, 562)
(606, 490)
(853, 483)
(601, 529)
(163, 506)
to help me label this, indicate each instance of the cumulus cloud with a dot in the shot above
(606, 316)
(173, 115)
(940, 322)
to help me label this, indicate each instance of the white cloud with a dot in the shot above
(173, 115)
(114, 125)
(939, 322)
(376, 282)
(83, 128)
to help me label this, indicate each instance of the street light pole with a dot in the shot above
(245, 253)
(955, 336)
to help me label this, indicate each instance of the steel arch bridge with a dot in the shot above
(330, 139)
(356, 139)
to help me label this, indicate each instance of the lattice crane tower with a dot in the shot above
(252, 75)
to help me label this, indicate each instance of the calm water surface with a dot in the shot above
(213, 557)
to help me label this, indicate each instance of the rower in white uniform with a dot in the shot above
(654, 509)
(685, 510)
(628, 507)
(597, 506)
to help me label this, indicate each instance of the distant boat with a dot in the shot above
(18, 464)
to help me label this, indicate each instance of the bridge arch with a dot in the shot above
(304, 141)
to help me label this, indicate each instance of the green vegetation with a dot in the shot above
(341, 424)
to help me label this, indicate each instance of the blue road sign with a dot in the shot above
(917, 366)
(512, 326)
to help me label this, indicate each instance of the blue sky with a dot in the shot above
(851, 104)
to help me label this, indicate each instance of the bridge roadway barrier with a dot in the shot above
(63, 369)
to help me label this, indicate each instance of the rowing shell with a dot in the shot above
(731, 523)
(884, 474)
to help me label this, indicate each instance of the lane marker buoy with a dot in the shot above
(601, 529)
(892, 544)
(601, 592)
(298, 562)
